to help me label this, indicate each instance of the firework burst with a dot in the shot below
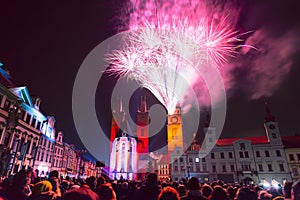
(164, 54)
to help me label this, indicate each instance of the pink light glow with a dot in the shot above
(169, 41)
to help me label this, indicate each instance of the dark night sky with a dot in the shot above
(43, 43)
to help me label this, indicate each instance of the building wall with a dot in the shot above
(293, 160)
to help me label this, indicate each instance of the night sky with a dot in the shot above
(43, 43)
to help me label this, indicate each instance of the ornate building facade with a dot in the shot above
(253, 159)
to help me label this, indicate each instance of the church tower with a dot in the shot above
(117, 119)
(210, 135)
(272, 128)
(142, 128)
(175, 137)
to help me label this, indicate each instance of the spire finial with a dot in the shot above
(269, 116)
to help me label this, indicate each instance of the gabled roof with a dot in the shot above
(22, 93)
(291, 141)
(254, 140)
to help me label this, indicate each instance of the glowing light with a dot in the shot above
(166, 48)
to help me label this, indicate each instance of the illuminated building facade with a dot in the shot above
(175, 137)
(27, 137)
(123, 158)
(252, 159)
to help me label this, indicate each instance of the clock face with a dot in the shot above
(272, 126)
(174, 119)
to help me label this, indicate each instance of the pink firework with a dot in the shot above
(166, 48)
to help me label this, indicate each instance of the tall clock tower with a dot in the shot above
(117, 119)
(142, 128)
(272, 128)
(175, 137)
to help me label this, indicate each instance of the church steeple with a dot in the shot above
(143, 105)
(269, 116)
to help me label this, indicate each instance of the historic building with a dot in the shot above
(58, 154)
(27, 137)
(292, 152)
(257, 159)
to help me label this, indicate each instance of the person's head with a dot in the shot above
(53, 174)
(41, 187)
(206, 190)
(246, 194)
(264, 195)
(168, 193)
(296, 190)
(100, 181)
(193, 184)
(287, 189)
(106, 192)
(152, 178)
(181, 190)
(80, 194)
(218, 193)
(21, 179)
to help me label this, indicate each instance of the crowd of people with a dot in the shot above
(24, 185)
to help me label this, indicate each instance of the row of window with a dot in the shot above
(245, 154)
(292, 157)
(164, 172)
(21, 114)
(40, 157)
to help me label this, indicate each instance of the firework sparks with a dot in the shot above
(165, 51)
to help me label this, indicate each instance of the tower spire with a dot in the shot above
(269, 116)
(143, 105)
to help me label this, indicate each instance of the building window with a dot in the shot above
(291, 157)
(274, 135)
(222, 155)
(38, 125)
(246, 154)
(182, 168)
(212, 155)
(204, 168)
(281, 167)
(241, 154)
(230, 154)
(257, 154)
(197, 168)
(270, 168)
(6, 105)
(295, 172)
(203, 160)
(224, 168)
(174, 134)
(214, 168)
(232, 168)
(142, 132)
(33, 121)
(298, 154)
(181, 160)
(190, 160)
(16, 168)
(260, 167)
(278, 154)
(6, 139)
(246, 167)
(197, 160)
(267, 153)
(28, 119)
(1, 131)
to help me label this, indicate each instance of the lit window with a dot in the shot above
(197, 159)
